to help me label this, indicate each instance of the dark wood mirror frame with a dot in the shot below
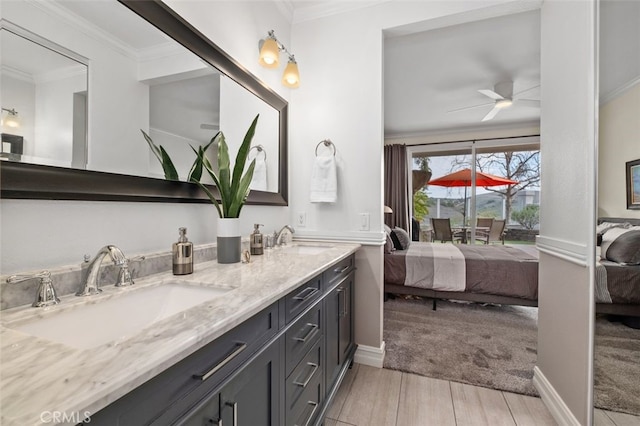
(31, 181)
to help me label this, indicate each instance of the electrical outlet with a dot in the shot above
(301, 221)
(364, 221)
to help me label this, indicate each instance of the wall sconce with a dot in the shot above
(270, 49)
(11, 119)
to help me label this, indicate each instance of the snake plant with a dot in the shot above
(233, 187)
(170, 172)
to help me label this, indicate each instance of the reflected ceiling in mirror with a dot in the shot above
(141, 78)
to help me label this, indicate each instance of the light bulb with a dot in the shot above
(503, 103)
(291, 76)
(269, 54)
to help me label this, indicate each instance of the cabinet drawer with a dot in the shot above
(301, 336)
(304, 388)
(302, 297)
(193, 377)
(339, 270)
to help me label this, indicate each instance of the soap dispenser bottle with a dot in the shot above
(182, 254)
(255, 240)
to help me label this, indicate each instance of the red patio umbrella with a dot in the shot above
(463, 178)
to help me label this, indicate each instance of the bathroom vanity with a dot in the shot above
(271, 347)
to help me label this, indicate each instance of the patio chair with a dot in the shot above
(485, 223)
(496, 232)
(442, 231)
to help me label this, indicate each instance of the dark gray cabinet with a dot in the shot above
(249, 398)
(280, 367)
(339, 328)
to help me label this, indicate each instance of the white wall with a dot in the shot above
(54, 117)
(340, 58)
(20, 95)
(567, 209)
(619, 142)
(46, 234)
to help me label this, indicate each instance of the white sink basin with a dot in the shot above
(119, 318)
(305, 249)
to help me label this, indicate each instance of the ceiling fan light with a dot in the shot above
(504, 103)
(269, 54)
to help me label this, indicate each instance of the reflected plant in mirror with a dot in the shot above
(170, 172)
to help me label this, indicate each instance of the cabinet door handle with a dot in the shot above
(312, 329)
(342, 299)
(305, 382)
(234, 353)
(315, 406)
(340, 270)
(312, 291)
(234, 405)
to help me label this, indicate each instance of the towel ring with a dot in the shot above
(260, 149)
(327, 143)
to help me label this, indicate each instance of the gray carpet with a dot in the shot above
(495, 347)
(489, 346)
(617, 367)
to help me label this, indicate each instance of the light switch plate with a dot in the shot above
(301, 220)
(364, 221)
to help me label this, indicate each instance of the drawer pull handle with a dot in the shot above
(305, 382)
(234, 353)
(312, 291)
(315, 406)
(339, 271)
(312, 329)
(235, 412)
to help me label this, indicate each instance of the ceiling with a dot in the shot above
(427, 74)
(430, 73)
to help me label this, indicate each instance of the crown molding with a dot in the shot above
(324, 9)
(619, 91)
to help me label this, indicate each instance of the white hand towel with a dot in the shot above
(324, 180)
(259, 179)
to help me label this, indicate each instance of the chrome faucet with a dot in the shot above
(46, 294)
(278, 237)
(91, 285)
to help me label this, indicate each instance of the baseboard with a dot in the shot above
(369, 355)
(553, 401)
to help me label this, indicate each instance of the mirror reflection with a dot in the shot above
(44, 101)
(617, 281)
(139, 79)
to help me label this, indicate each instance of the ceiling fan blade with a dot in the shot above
(528, 102)
(471, 107)
(491, 114)
(525, 91)
(491, 94)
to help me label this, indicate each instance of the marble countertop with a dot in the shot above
(41, 379)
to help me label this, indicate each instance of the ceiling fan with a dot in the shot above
(503, 97)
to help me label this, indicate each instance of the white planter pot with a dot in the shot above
(228, 240)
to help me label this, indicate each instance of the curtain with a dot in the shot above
(395, 186)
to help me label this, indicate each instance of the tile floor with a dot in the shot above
(372, 396)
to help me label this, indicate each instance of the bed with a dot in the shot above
(499, 274)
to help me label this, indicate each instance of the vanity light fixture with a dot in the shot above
(270, 49)
(11, 119)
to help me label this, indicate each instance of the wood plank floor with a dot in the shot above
(372, 396)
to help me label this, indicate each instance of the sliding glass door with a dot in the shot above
(488, 190)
